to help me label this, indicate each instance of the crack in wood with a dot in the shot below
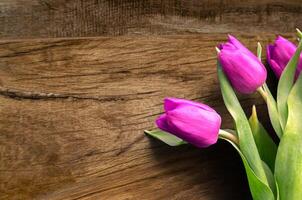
(19, 95)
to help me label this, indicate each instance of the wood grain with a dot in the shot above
(73, 112)
(78, 18)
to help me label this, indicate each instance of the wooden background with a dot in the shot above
(81, 80)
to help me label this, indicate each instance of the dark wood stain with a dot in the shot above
(78, 18)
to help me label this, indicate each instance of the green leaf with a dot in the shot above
(259, 189)
(259, 50)
(299, 33)
(266, 146)
(270, 101)
(285, 85)
(165, 137)
(288, 168)
(247, 143)
(278, 191)
(271, 180)
(273, 111)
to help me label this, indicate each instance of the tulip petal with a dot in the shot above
(227, 46)
(281, 52)
(161, 123)
(287, 45)
(241, 69)
(172, 103)
(269, 49)
(276, 68)
(233, 40)
(196, 126)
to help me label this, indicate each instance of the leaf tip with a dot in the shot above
(254, 116)
(259, 50)
(217, 50)
(299, 33)
(254, 111)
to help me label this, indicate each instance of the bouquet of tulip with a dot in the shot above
(274, 172)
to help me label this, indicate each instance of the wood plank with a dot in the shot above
(77, 18)
(73, 112)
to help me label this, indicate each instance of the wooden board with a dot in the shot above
(73, 112)
(76, 18)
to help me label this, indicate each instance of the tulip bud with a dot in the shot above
(193, 122)
(243, 69)
(279, 54)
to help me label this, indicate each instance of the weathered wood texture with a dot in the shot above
(73, 112)
(74, 18)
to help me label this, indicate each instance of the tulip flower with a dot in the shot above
(243, 69)
(193, 122)
(279, 54)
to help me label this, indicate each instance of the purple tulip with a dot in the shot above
(244, 70)
(193, 122)
(279, 54)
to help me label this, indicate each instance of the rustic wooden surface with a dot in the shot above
(73, 110)
(74, 18)
(73, 114)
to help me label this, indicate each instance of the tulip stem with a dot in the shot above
(262, 93)
(229, 136)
